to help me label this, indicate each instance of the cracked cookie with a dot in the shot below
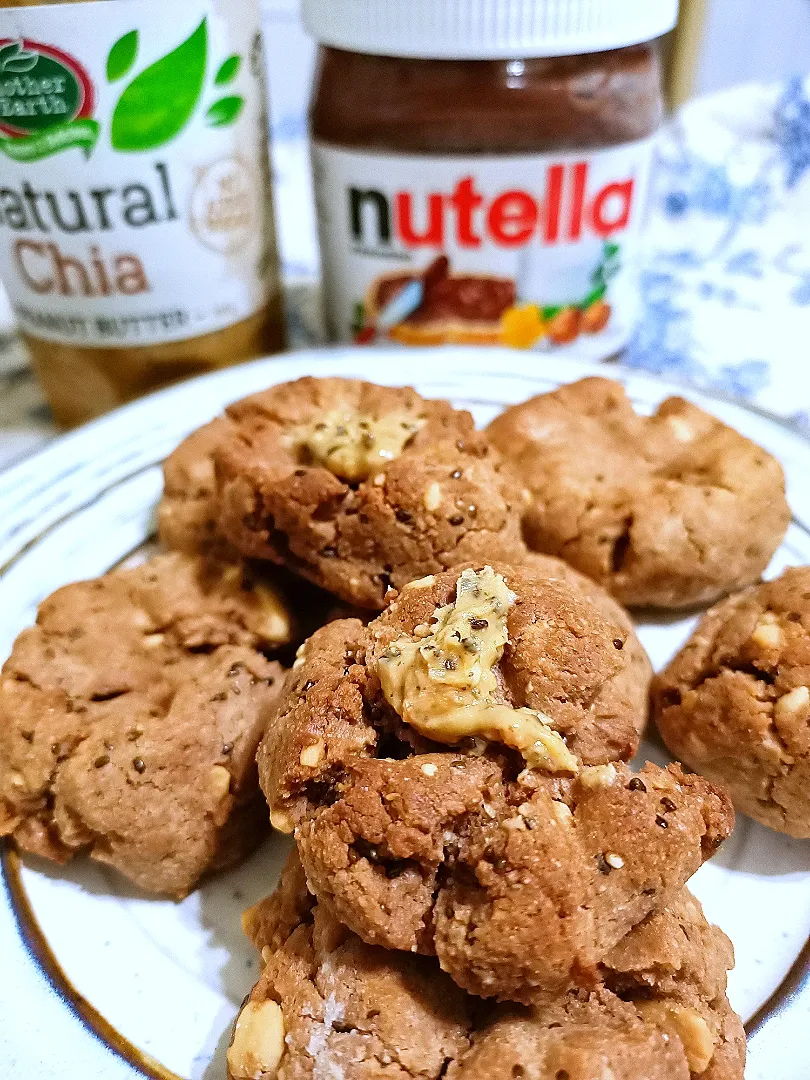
(328, 1004)
(674, 966)
(360, 487)
(735, 704)
(130, 716)
(671, 510)
(431, 765)
(518, 887)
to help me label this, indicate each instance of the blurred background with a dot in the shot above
(725, 42)
(727, 277)
(718, 44)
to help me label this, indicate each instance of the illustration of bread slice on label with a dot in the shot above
(459, 309)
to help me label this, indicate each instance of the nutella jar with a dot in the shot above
(481, 168)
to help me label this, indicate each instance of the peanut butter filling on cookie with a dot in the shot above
(443, 682)
(353, 445)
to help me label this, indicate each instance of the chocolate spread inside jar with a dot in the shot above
(517, 161)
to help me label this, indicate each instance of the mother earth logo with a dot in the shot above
(46, 101)
(47, 97)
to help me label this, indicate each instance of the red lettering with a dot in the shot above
(433, 235)
(611, 208)
(554, 189)
(465, 200)
(512, 218)
(62, 264)
(42, 285)
(68, 275)
(578, 200)
(509, 220)
(130, 277)
(101, 272)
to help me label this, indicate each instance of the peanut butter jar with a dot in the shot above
(481, 168)
(136, 230)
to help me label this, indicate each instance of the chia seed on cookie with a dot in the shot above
(449, 776)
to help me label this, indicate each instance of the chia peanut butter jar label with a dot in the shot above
(134, 182)
(534, 251)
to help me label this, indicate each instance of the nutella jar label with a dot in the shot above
(134, 186)
(532, 251)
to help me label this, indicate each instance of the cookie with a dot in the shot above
(187, 515)
(518, 887)
(675, 965)
(630, 690)
(329, 1004)
(130, 716)
(360, 487)
(735, 705)
(562, 656)
(671, 510)
(447, 771)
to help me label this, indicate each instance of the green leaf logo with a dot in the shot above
(159, 102)
(228, 71)
(122, 56)
(14, 58)
(224, 111)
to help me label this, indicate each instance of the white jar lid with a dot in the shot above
(486, 29)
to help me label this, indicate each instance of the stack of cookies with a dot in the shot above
(406, 637)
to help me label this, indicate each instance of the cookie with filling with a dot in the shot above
(360, 487)
(453, 785)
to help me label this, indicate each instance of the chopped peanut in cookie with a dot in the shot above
(688, 1025)
(360, 488)
(258, 1041)
(353, 445)
(444, 684)
(266, 613)
(656, 1010)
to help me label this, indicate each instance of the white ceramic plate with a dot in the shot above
(97, 980)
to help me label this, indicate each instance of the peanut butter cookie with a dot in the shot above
(187, 515)
(735, 703)
(130, 716)
(360, 487)
(328, 1004)
(448, 774)
(630, 690)
(671, 510)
